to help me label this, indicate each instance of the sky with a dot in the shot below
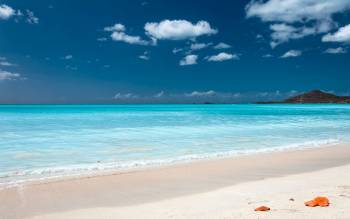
(156, 51)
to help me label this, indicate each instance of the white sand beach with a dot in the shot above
(227, 188)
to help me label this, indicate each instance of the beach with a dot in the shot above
(175, 109)
(222, 188)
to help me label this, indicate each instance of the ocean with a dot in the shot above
(44, 141)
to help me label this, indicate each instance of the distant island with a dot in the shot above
(315, 96)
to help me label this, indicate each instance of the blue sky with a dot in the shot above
(171, 51)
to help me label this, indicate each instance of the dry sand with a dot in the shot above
(227, 188)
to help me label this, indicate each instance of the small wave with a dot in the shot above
(16, 178)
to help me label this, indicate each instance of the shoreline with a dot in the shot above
(164, 183)
(98, 169)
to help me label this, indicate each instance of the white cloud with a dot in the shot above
(201, 93)
(123, 37)
(166, 29)
(5, 75)
(120, 96)
(223, 56)
(67, 57)
(6, 63)
(296, 19)
(178, 29)
(118, 34)
(222, 46)
(198, 46)
(338, 50)
(342, 35)
(6, 12)
(291, 53)
(116, 27)
(189, 60)
(283, 32)
(31, 18)
(291, 11)
(144, 56)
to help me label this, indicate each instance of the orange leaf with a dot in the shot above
(318, 201)
(322, 201)
(262, 208)
(311, 203)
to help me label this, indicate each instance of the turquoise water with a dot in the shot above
(39, 141)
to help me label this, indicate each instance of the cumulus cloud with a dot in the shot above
(222, 46)
(291, 11)
(199, 46)
(118, 34)
(283, 32)
(223, 56)
(121, 36)
(339, 50)
(291, 53)
(341, 36)
(6, 12)
(189, 60)
(296, 19)
(178, 29)
(6, 75)
(164, 30)
(116, 27)
(201, 93)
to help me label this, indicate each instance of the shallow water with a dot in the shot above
(53, 140)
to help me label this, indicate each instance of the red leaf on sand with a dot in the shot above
(318, 201)
(262, 208)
